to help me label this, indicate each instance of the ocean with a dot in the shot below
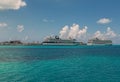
(60, 63)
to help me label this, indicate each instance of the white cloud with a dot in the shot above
(64, 32)
(26, 38)
(104, 21)
(73, 32)
(3, 24)
(20, 28)
(46, 20)
(82, 33)
(109, 34)
(98, 34)
(11, 4)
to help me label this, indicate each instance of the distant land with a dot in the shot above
(58, 41)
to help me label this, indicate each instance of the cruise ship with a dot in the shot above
(97, 41)
(58, 41)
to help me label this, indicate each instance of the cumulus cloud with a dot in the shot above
(104, 21)
(109, 34)
(20, 28)
(82, 34)
(11, 4)
(73, 32)
(3, 24)
(64, 32)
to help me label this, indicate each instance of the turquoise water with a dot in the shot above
(60, 63)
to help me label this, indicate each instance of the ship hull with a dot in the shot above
(97, 44)
(59, 44)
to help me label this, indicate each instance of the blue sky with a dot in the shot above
(32, 20)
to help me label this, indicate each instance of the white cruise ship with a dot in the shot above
(58, 41)
(97, 41)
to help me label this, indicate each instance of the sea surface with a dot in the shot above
(60, 63)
